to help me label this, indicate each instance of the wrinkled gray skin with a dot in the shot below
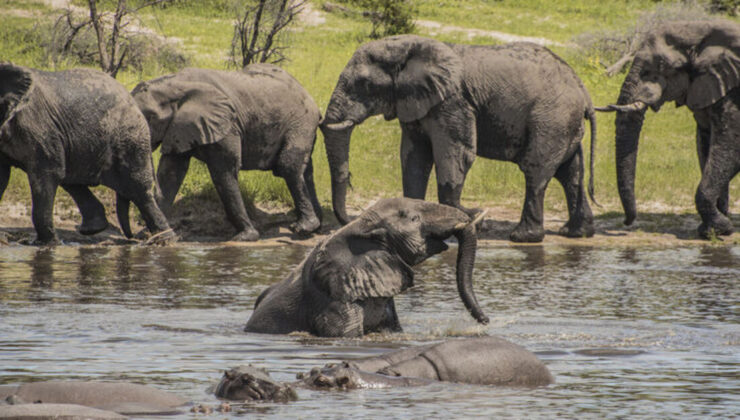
(696, 64)
(75, 129)
(517, 102)
(122, 398)
(257, 118)
(479, 361)
(345, 287)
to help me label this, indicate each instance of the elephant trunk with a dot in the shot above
(342, 114)
(337, 152)
(467, 240)
(628, 126)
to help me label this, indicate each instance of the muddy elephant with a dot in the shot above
(256, 118)
(478, 361)
(345, 286)
(696, 64)
(75, 129)
(81, 399)
(517, 102)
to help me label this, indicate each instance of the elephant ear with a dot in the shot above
(15, 82)
(716, 72)
(359, 267)
(202, 115)
(431, 73)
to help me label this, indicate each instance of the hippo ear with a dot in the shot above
(359, 267)
(201, 114)
(717, 71)
(431, 73)
(15, 83)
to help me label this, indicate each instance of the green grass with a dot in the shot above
(667, 173)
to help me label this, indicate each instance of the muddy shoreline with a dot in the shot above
(650, 229)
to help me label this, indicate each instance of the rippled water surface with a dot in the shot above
(627, 332)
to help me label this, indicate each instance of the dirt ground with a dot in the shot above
(651, 229)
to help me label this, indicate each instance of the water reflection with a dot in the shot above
(626, 331)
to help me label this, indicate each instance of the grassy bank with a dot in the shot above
(668, 170)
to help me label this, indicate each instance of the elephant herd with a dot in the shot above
(517, 102)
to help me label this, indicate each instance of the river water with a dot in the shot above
(627, 332)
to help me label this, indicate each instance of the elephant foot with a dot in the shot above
(582, 230)
(249, 234)
(165, 237)
(97, 225)
(305, 226)
(524, 234)
(721, 227)
(52, 241)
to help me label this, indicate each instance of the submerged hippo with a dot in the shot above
(78, 399)
(480, 361)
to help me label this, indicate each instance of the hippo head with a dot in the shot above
(334, 376)
(249, 383)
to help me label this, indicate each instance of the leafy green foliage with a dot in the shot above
(389, 17)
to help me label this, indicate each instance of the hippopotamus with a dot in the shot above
(82, 399)
(480, 361)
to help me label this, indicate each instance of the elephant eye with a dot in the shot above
(415, 218)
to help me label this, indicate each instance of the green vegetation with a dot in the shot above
(667, 173)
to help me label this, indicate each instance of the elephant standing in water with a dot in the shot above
(345, 287)
(696, 64)
(257, 118)
(517, 102)
(478, 361)
(76, 128)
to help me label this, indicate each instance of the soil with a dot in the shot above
(661, 229)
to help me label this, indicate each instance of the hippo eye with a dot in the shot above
(342, 380)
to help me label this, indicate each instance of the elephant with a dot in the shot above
(86, 399)
(517, 102)
(256, 118)
(345, 286)
(76, 128)
(696, 64)
(480, 361)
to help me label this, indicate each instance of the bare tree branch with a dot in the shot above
(259, 28)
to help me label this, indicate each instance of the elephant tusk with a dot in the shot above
(478, 218)
(340, 126)
(633, 107)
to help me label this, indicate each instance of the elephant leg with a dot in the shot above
(719, 170)
(170, 174)
(703, 138)
(416, 161)
(294, 175)
(4, 178)
(531, 226)
(580, 219)
(92, 210)
(308, 177)
(43, 192)
(223, 160)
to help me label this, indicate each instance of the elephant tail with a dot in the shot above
(122, 207)
(590, 115)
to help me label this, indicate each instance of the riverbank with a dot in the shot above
(656, 228)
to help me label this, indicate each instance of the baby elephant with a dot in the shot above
(345, 287)
(478, 361)
(257, 118)
(74, 129)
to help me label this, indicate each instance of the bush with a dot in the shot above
(65, 41)
(389, 17)
(610, 46)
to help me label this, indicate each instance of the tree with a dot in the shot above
(259, 31)
(113, 45)
(389, 17)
